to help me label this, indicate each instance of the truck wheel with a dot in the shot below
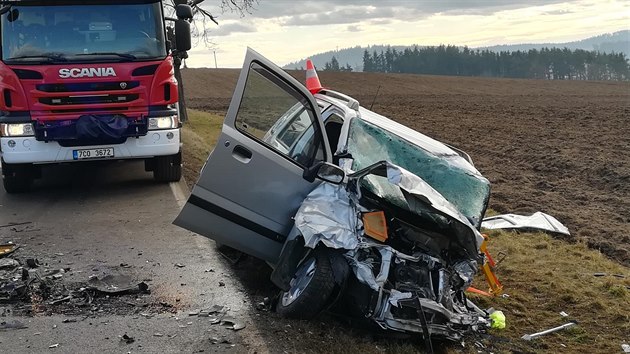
(167, 168)
(311, 288)
(17, 178)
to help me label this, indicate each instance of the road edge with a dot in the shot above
(252, 335)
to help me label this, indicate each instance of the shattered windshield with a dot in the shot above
(467, 191)
(80, 32)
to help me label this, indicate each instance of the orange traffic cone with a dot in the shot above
(312, 80)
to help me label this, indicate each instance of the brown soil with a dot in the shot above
(561, 147)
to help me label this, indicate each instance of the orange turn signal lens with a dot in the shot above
(375, 225)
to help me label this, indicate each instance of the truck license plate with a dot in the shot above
(99, 153)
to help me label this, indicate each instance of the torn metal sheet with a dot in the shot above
(117, 285)
(327, 216)
(536, 221)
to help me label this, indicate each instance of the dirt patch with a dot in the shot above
(552, 146)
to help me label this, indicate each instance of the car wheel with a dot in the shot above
(167, 168)
(310, 289)
(17, 178)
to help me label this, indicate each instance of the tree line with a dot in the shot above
(546, 63)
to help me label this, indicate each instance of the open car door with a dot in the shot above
(252, 183)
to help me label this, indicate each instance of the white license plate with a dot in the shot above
(99, 153)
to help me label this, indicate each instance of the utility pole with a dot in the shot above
(215, 59)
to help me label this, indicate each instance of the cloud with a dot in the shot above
(353, 28)
(308, 13)
(229, 28)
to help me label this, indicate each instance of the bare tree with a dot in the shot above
(202, 20)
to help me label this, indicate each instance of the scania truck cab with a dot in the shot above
(88, 80)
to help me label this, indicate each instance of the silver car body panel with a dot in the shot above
(537, 221)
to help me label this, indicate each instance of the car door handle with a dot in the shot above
(241, 154)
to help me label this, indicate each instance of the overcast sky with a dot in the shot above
(286, 31)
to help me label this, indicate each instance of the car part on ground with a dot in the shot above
(529, 337)
(537, 221)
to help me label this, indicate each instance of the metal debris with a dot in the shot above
(8, 264)
(5, 326)
(127, 339)
(537, 221)
(7, 248)
(117, 285)
(529, 337)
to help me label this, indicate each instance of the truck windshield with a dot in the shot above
(80, 32)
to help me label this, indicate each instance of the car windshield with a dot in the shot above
(450, 175)
(79, 32)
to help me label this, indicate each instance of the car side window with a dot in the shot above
(276, 114)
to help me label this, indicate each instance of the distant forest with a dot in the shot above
(551, 64)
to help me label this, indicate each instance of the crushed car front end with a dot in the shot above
(406, 220)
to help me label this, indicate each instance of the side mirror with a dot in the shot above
(326, 172)
(183, 42)
(331, 173)
(184, 12)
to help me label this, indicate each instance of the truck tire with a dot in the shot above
(17, 178)
(311, 288)
(167, 168)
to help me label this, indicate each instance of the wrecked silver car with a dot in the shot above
(350, 208)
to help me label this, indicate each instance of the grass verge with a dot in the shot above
(542, 276)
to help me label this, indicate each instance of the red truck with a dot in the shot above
(86, 80)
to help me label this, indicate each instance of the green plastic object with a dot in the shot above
(498, 319)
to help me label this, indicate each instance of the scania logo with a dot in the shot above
(86, 72)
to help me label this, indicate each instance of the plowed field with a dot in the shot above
(561, 147)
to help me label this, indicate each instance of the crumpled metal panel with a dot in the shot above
(373, 138)
(425, 193)
(327, 216)
(536, 221)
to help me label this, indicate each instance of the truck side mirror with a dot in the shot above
(183, 41)
(184, 12)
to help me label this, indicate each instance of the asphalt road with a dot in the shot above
(93, 219)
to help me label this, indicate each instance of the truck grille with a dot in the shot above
(87, 99)
(89, 86)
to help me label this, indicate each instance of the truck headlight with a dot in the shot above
(158, 123)
(17, 129)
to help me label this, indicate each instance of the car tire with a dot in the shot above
(17, 178)
(311, 288)
(167, 168)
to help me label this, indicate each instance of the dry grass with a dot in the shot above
(199, 135)
(542, 276)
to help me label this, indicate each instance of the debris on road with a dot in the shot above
(8, 263)
(5, 326)
(117, 285)
(127, 339)
(537, 221)
(56, 345)
(179, 265)
(7, 248)
(529, 337)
